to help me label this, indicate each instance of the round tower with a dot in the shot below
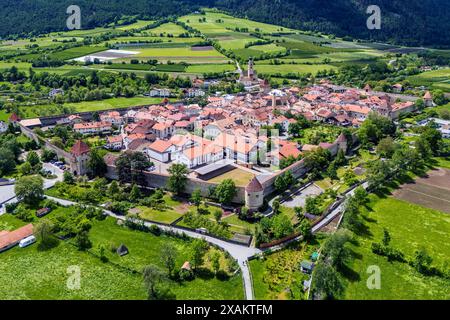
(428, 99)
(254, 195)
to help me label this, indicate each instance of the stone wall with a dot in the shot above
(159, 180)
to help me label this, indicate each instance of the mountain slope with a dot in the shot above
(411, 22)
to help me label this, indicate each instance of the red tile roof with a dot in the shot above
(254, 186)
(13, 237)
(80, 148)
(14, 117)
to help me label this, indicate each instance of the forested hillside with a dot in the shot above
(412, 22)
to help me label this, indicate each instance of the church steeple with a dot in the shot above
(251, 71)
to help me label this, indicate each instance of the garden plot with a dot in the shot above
(432, 191)
(298, 199)
(108, 55)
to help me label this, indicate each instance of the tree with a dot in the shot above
(282, 226)
(299, 212)
(82, 240)
(386, 237)
(113, 189)
(360, 195)
(226, 191)
(305, 229)
(169, 256)
(217, 214)
(68, 177)
(33, 158)
(311, 206)
(386, 147)
(48, 155)
(327, 283)
(198, 251)
(135, 193)
(423, 148)
(25, 169)
(7, 161)
(153, 277)
(422, 260)
(30, 189)
(44, 233)
(96, 164)
(130, 167)
(215, 262)
(335, 248)
(178, 178)
(196, 197)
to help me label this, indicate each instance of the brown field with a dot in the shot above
(432, 191)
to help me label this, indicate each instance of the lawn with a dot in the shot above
(240, 177)
(4, 116)
(207, 68)
(411, 227)
(32, 274)
(173, 211)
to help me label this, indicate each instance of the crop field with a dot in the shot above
(437, 79)
(85, 106)
(411, 227)
(284, 69)
(432, 191)
(205, 68)
(137, 25)
(167, 29)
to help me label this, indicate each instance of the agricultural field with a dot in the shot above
(137, 25)
(86, 106)
(436, 79)
(42, 274)
(411, 227)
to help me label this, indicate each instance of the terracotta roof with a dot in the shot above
(80, 148)
(341, 138)
(254, 186)
(13, 237)
(427, 95)
(186, 266)
(160, 145)
(14, 117)
(110, 159)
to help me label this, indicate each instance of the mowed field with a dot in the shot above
(411, 227)
(30, 273)
(432, 191)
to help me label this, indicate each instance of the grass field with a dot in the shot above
(85, 106)
(137, 25)
(173, 211)
(240, 177)
(411, 227)
(205, 68)
(436, 79)
(32, 274)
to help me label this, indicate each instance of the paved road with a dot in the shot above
(7, 194)
(239, 252)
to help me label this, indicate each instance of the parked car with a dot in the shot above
(27, 241)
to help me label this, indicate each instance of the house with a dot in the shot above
(397, 88)
(113, 117)
(54, 92)
(42, 212)
(194, 92)
(163, 130)
(160, 150)
(307, 266)
(9, 239)
(200, 155)
(163, 93)
(114, 142)
(92, 127)
(122, 250)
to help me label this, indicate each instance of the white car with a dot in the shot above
(27, 241)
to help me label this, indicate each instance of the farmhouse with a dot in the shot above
(9, 239)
